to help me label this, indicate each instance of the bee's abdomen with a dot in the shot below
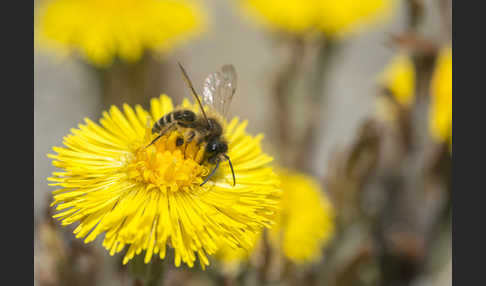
(163, 121)
(182, 117)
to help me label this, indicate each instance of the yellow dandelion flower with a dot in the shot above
(303, 225)
(343, 17)
(231, 258)
(101, 30)
(398, 79)
(150, 198)
(287, 15)
(441, 98)
(332, 17)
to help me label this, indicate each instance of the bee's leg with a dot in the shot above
(200, 140)
(161, 134)
(201, 135)
(212, 173)
(190, 136)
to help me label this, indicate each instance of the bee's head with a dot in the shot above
(216, 146)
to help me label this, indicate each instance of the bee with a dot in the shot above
(218, 90)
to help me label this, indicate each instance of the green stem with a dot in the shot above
(131, 83)
(145, 274)
(154, 272)
(263, 269)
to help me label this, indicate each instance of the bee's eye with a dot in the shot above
(212, 147)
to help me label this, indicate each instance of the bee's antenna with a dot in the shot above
(160, 135)
(210, 175)
(232, 171)
(193, 91)
(153, 141)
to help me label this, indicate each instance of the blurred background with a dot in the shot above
(329, 107)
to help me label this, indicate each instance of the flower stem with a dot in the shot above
(317, 97)
(133, 83)
(154, 272)
(145, 274)
(263, 268)
(282, 91)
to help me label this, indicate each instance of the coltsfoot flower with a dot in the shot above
(231, 259)
(101, 30)
(148, 198)
(304, 223)
(340, 18)
(398, 80)
(335, 18)
(441, 98)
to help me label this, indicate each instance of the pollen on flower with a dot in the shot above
(167, 166)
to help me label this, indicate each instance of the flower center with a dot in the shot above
(168, 166)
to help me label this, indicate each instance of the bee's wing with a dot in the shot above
(219, 88)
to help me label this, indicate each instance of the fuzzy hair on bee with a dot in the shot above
(218, 91)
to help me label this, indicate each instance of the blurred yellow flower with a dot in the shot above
(398, 81)
(304, 223)
(148, 198)
(342, 17)
(335, 18)
(101, 30)
(441, 98)
(288, 15)
(231, 258)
